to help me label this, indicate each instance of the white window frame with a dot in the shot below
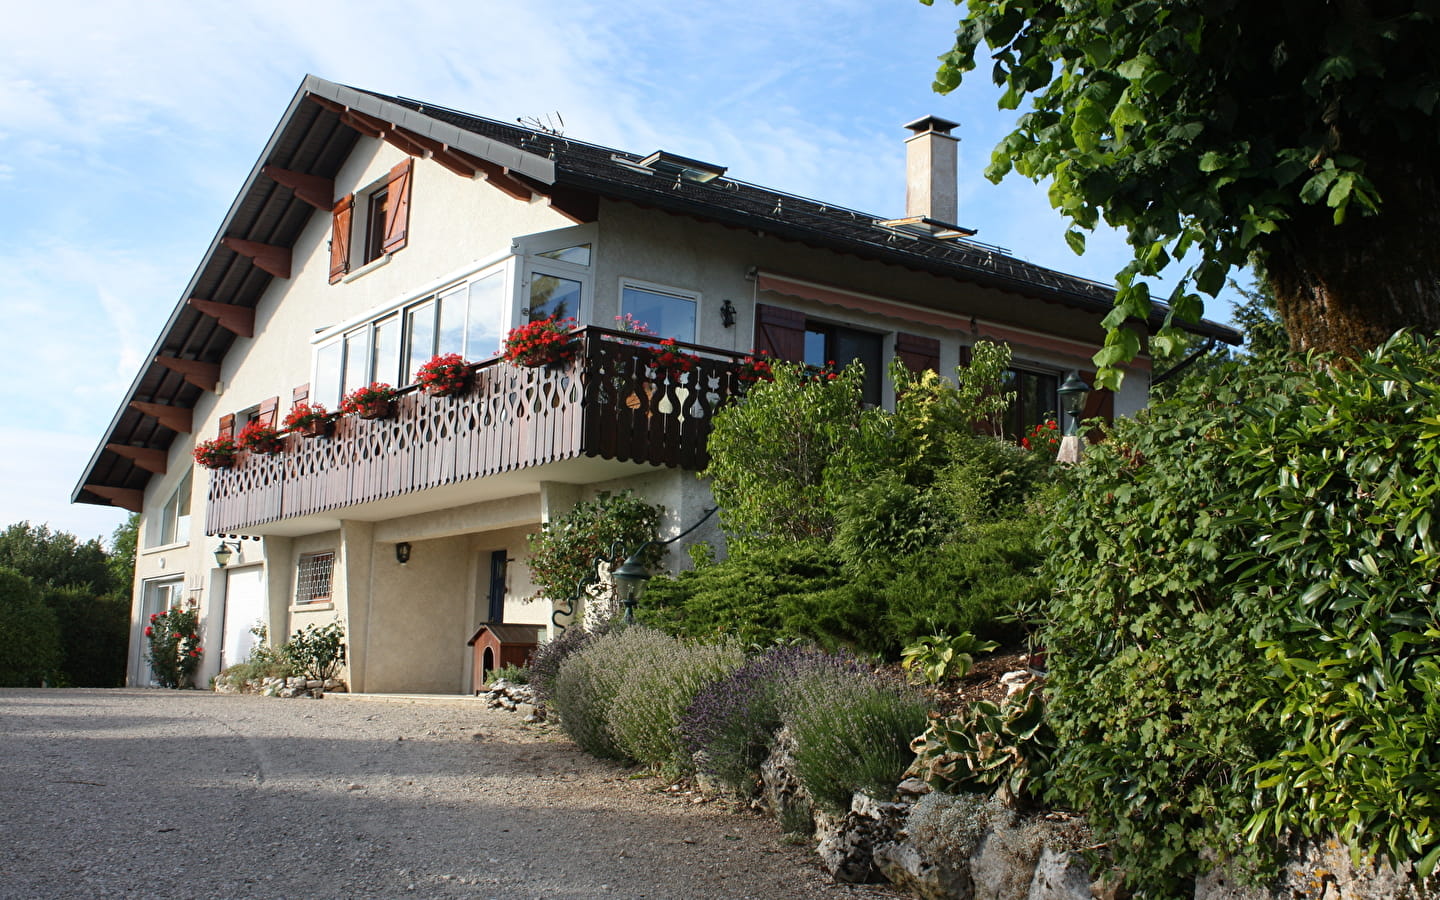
(678, 293)
(157, 525)
(528, 249)
(502, 265)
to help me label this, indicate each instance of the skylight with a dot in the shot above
(682, 167)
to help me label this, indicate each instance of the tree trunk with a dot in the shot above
(1346, 289)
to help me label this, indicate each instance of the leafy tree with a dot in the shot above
(55, 558)
(1214, 132)
(122, 553)
(29, 638)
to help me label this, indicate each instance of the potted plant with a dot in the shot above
(541, 342)
(444, 375)
(217, 453)
(260, 437)
(668, 358)
(309, 419)
(373, 401)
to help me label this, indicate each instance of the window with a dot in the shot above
(377, 210)
(312, 577)
(171, 525)
(557, 275)
(468, 318)
(668, 313)
(826, 343)
(1036, 399)
(383, 225)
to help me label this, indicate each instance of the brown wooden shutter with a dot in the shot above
(300, 394)
(918, 353)
(268, 409)
(340, 237)
(780, 332)
(227, 426)
(397, 214)
(965, 355)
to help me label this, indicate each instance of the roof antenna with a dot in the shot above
(547, 125)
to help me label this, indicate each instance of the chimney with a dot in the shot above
(930, 162)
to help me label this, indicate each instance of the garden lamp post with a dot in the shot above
(1072, 400)
(630, 577)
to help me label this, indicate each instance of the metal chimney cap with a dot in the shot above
(932, 123)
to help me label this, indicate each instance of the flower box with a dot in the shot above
(446, 375)
(309, 419)
(373, 401)
(541, 342)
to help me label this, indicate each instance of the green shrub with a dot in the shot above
(30, 648)
(978, 583)
(645, 715)
(589, 679)
(746, 597)
(852, 733)
(513, 674)
(94, 630)
(1243, 633)
(888, 517)
(782, 455)
(316, 651)
(565, 549)
(985, 478)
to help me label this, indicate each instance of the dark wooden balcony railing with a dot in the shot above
(607, 402)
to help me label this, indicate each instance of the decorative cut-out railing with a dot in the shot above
(609, 401)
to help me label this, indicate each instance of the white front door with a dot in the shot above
(157, 596)
(244, 608)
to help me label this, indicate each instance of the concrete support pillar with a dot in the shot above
(1072, 449)
(279, 553)
(354, 576)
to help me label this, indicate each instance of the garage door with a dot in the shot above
(244, 607)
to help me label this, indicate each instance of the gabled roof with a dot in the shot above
(317, 134)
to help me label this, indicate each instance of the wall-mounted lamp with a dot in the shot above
(727, 314)
(402, 552)
(225, 552)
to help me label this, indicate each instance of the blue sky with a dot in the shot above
(125, 134)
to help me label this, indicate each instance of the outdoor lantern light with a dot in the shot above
(402, 552)
(630, 578)
(224, 552)
(727, 314)
(1072, 399)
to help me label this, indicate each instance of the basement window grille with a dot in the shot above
(312, 577)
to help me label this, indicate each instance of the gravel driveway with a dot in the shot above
(136, 793)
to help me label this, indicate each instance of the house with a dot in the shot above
(375, 232)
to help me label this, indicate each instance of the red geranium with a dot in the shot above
(218, 453)
(540, 342)
(756, 367)
(444, 374)
(305, 415)
(260, 437)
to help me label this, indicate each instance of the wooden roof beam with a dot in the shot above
(497, 175)
(147, 458)
(366, 125)
(266, 257)
(125, 498)
(238, 320)
(441, 153)
(313, 189)
(203, 375)
(176, 418)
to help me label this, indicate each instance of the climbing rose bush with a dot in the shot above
(175, 650)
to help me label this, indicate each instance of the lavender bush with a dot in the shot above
(731, 723)
(852, 733)
(646, 712)
(589, 680)
(549, 656)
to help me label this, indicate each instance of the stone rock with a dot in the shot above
(1003, 866)
(1324, 870)
(1015, 681)
(1059, 876)
(913, 787)
(903, 865)
(781, 793)
(296, 681)
(526, 709)
(1221, 884)
(313, 683)
(847, 845)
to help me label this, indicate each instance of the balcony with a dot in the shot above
(606, 403)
